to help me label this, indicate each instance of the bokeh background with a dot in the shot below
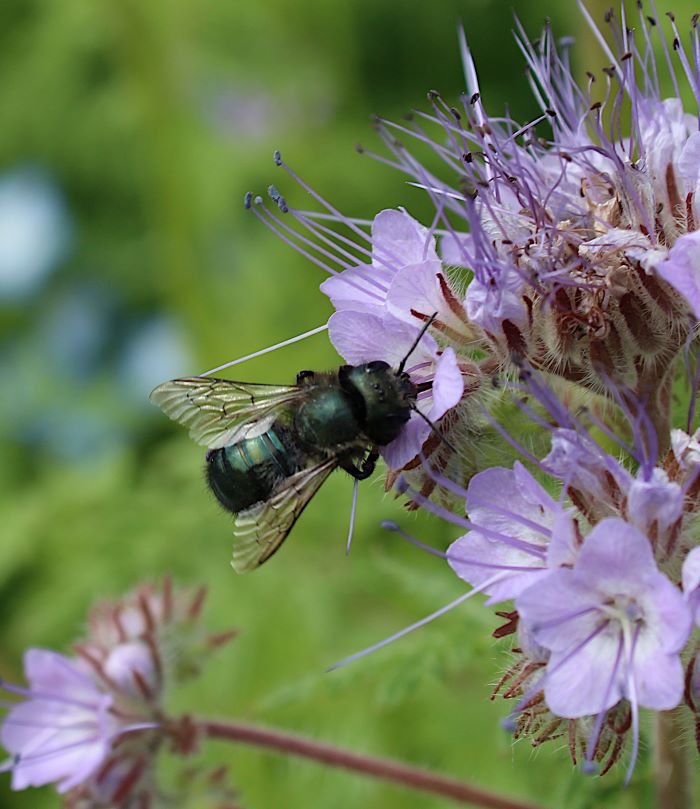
(129, 133)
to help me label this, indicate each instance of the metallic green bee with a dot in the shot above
(271, 447)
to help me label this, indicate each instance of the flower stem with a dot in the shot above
(673, 776)
(404, 774)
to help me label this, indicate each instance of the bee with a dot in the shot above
(271, 447)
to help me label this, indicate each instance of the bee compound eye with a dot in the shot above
(304, 376)
(377, 365)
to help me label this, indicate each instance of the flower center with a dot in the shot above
(623, 610)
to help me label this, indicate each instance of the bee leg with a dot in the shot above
(304, 377)
(367, 467)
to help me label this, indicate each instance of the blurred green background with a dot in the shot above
(130, 133)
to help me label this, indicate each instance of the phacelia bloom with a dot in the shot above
(164, 619)
(70, 722)
(519, 532)
(561, 268)
(615, 626)
(583, 243)
(94, 724)
(600, 624)
(580, 238)
(691, 583)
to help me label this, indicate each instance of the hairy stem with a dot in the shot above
(672, 763)
(404, 774)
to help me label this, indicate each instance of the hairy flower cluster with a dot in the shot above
(581, 238)
(562, 266)
(602, 618)
(93, 723)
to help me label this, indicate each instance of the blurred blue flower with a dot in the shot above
(155, 351)
(35, 231)
(75, 331)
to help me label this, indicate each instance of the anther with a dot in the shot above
(390, 525)
(248, 199)
(276, 197)
(277, 157)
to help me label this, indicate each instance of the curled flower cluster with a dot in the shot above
(562, 270)
(93, 724)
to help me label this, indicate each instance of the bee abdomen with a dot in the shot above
(246, 472)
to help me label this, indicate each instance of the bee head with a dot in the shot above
(382, 398)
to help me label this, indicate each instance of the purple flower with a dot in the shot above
(615, 626)
(490, 304)
(579, 462)
(691, 582)
(405, 278)
(681, 268)
(94, 724)
(63, 731)
(362, 337)
(654, 502)
(571, 238)
(577, 253)
(398, 242)
(519, 533)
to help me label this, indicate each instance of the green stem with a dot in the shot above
(672, 763)
(386, 769)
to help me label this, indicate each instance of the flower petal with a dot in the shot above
(615, 554)
(416, 288)
(682, 269)
(691, 582)
(362, 289)
(448, 384)
(398, 239)
(363, 337)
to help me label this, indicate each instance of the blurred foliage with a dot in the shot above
(145, 123)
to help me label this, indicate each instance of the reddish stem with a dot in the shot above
(403, 774)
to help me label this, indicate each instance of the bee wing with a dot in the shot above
(219, 412)
(261, 529)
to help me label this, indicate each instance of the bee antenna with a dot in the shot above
(427, 324)
(434, 428)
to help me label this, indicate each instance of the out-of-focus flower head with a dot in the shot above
(93, 724)
(91, 733)
(35, 231)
